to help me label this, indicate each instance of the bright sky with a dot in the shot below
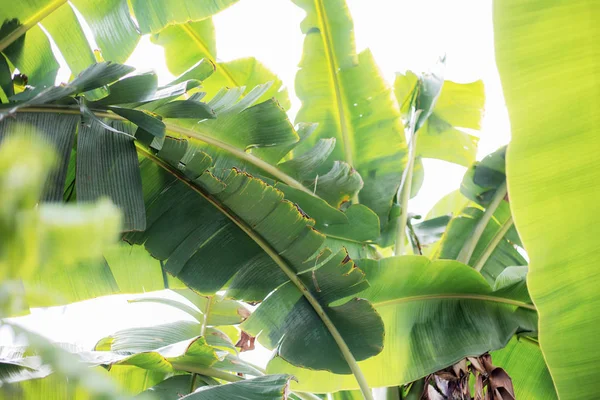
(402, 34)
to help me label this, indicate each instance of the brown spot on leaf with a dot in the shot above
(246, 342)
(346, 259)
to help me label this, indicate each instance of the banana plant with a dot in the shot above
(280, 242)
(224, 201)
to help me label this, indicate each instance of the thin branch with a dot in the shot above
(478, 266)
(469, 247)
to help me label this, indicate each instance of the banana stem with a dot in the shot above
(492, 245)
(469, 247)
(405, 185)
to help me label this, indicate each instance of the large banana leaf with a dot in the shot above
(346, 94)
(435, 313)
(189, 42)
(548, 62)
(115, 32)
(524, 362)
(216, 213)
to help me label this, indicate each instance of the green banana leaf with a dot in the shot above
(524, 362)
(116, 34)
(548, 65)
(270, 387)
(196, 210)
(458, 106)
(188, 42)
(215, 214)
(435, 313)
(241, 125)
(347, 96)
(151, 338)
(211, 310)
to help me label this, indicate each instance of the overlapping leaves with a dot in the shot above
(115, 30)
(197, 208)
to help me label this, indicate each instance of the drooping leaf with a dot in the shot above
(107, 165)
(60, 132)
(458, 106)
(483, 178)
(552, 174)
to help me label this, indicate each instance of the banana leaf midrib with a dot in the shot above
(30, 23)
(343, 119)
(208, 56)
(456, 296)
(274, 255)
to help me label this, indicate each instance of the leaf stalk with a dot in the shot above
(405, 185)
(493, 244)
(469, 247)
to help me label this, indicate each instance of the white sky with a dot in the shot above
(402, 34)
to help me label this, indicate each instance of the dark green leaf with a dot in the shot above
(107, 166)
(59, 130)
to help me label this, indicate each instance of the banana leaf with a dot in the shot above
(435, 313)
(547, 60)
